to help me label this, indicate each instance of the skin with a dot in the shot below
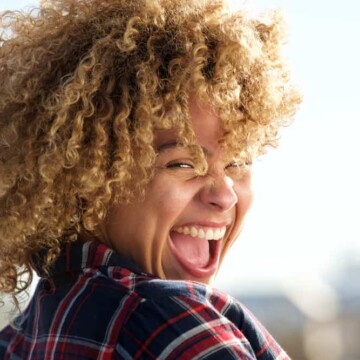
(176, 196)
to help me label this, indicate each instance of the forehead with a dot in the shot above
(166, 138)
(203, 120)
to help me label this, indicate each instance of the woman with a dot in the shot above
(128, 129)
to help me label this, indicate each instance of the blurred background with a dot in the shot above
(296, 264)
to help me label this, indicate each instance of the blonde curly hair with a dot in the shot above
(83, 85)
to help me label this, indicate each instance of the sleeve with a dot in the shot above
(7, 334)
(181, 328)
(262, 343)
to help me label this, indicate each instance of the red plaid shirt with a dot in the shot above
(96, 305)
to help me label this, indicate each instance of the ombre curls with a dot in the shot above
(83, 86)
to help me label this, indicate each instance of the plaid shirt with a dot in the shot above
(97, 305)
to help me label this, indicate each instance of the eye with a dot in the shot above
(180, 165)
(237, 165)
(237, 169)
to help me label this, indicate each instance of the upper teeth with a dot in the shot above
(208, 234)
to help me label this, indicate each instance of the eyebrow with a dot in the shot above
(174, 143)
(167, 145)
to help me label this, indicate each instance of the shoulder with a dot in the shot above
(188, 294)
(136, 317)
(180, 319)
(186, 320)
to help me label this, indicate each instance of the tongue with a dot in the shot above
(193, 250)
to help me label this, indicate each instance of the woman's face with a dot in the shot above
(185, 224)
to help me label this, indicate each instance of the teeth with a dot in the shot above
(193, 232)
(217, 234)
(207, 234)
(223, 231)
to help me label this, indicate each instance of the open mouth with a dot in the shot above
(197, 249)
(212, 248)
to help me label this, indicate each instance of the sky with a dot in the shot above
(304, 218)
(304, 221)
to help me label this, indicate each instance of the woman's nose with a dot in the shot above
(219, 192)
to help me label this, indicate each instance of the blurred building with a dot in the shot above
(313, 318)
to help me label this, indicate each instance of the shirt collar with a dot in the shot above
(75, 257)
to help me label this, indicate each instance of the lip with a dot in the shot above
(199, 272)
(210, 224)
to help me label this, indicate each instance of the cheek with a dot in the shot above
(169, 197)
(245, 197)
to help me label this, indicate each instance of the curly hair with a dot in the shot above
(83, 86)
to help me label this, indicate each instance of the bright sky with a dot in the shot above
(306, 210)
